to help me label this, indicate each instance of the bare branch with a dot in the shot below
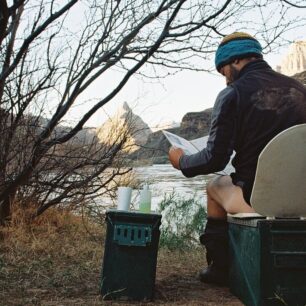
(293, 4)
(36, 33)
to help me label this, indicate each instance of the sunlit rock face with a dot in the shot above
(124, 124)
(295, 61)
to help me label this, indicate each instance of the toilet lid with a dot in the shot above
(280, 184)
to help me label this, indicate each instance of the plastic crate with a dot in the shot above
(268, 261)
(130, 255)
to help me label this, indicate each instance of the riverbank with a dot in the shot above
(57, 261)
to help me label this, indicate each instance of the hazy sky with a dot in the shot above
(171, 98)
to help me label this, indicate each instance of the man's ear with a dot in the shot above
(238, 63)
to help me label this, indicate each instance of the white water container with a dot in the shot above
(124, 198)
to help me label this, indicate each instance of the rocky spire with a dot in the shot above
(125, 122)
(295, 60)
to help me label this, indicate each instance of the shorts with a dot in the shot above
(245, 186)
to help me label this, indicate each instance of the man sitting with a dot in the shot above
(257, 104)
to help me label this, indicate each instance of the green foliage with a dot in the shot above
(182, 223)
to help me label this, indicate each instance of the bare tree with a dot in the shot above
(48, 64)
(3, 18)
(75, 173)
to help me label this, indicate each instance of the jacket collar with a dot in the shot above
(254, 65)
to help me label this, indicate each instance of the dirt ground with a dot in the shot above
(177, 284)
(171, 289)
(61, 265)
(43, 283)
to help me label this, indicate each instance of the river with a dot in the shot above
(164, 179)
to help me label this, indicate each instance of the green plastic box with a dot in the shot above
(268, 261)
(130, 255)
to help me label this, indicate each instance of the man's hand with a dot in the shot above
(174, 157)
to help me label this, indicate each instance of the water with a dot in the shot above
(164, 179)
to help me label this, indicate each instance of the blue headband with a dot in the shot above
(237, 49)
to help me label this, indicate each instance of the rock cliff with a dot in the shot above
(193, 125)
(124, 122)
(295, 60)
(197, 120)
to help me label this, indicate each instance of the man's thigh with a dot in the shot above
(227, 195)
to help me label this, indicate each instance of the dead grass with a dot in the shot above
(57, 261)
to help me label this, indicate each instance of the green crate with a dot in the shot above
(268, 261)
(130, 255)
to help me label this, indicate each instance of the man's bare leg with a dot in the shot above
(224, 197)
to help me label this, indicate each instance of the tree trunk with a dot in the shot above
(5, 208)
(3, 18)
(5, 212)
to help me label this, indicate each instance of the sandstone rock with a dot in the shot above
(295, 61)
(124, 124)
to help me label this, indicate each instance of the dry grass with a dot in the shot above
(57, 261)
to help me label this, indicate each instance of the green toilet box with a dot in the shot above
(268, 261)
(130, 255)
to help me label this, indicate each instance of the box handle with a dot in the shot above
(132, 235)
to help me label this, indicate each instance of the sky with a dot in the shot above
(170, 99)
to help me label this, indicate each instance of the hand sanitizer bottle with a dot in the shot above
(145, 200)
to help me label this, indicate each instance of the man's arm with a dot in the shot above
(221, 139)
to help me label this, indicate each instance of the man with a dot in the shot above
(257, 104)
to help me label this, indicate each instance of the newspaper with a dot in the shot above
(193, 146)
(188, 146)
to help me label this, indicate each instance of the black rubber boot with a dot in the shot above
(215, 239)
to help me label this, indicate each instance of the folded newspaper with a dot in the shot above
(193, 146)
(188, 146)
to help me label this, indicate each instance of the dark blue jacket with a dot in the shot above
(246, 116)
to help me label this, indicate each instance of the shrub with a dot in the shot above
(182, 223)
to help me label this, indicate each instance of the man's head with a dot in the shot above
(234, 51)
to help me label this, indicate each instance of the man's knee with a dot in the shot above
(215, 184)
(222, 193)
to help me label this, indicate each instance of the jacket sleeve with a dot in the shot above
(221, 138)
